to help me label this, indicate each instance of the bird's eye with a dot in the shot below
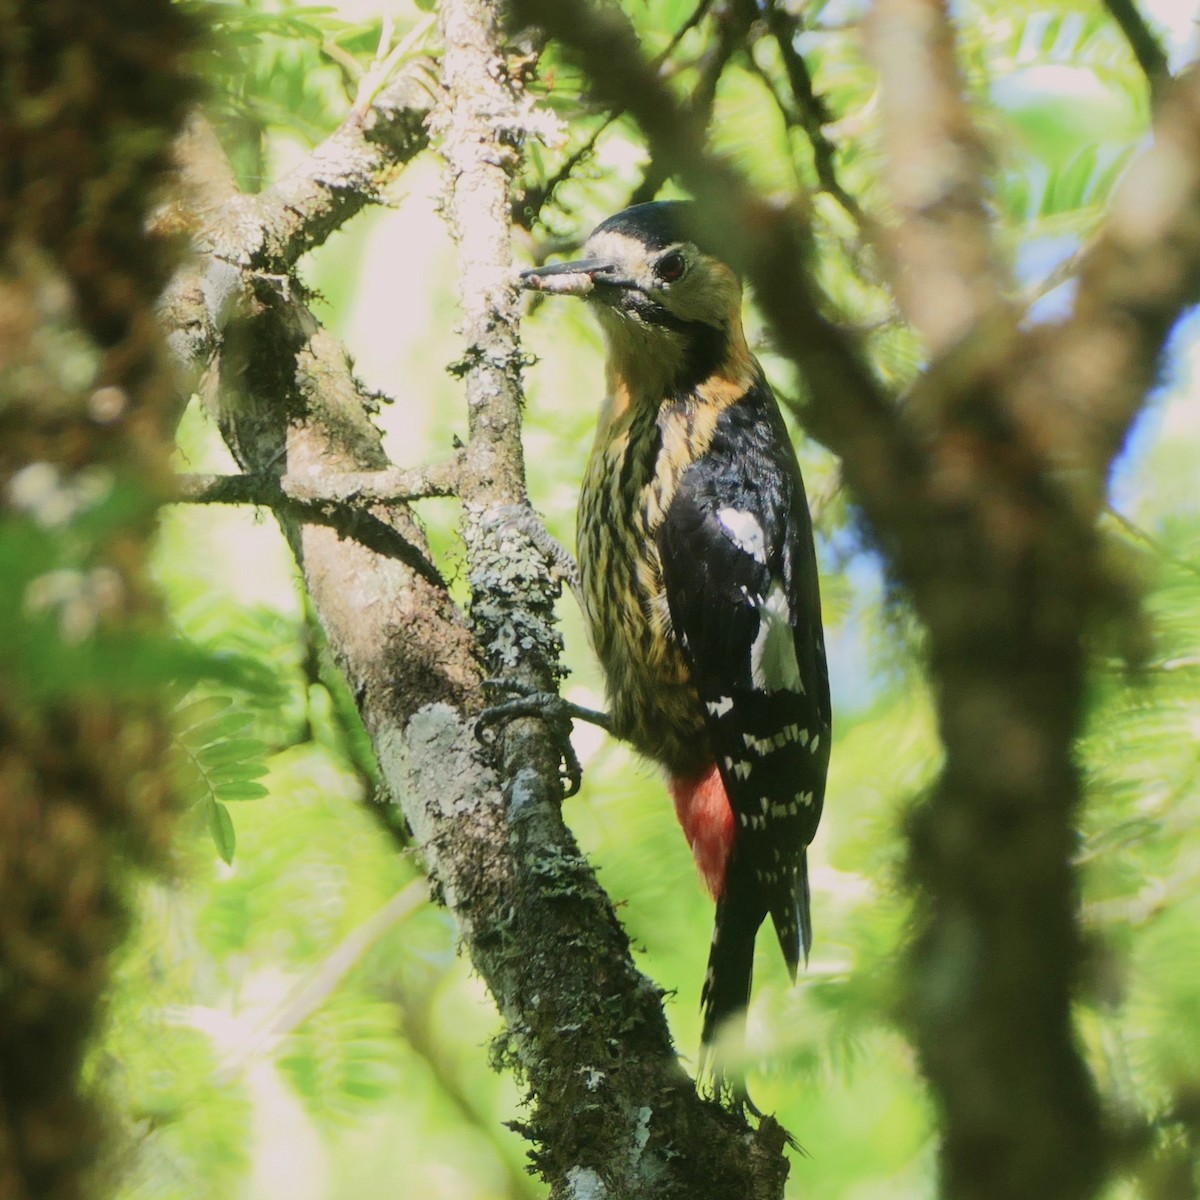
(670, 267)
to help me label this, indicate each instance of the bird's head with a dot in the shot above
(670, 311)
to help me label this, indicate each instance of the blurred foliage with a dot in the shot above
(216, 763)
(233, 1088)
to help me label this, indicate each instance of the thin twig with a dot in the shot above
(527, 209)
(323, 979)
(394, 485)
(384, 64)
(342, 503)
(1145, 46)
(810, 111)
(535, 199)
(698, 14)
(733, 23)
(1059, 274)
(1140, 534)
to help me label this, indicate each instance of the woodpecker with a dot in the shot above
(699, 583)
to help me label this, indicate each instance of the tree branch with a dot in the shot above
(326, 504)
(694, 18)
(615, 1114)
(733, 21)
(940, 250)
(289, 407)
(393, 485)
(269, 232)
(1145, 46)
(333, 183)
(317, 984)
(811, 113)
(1085, 381)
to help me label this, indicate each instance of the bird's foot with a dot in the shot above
(730, 1091)
(557, 558)
(551, 708)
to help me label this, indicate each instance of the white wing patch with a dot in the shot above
(744, 531)
(773, 665)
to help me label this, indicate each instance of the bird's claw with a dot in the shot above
(551, 708)
(728, 1086)
(557, 558)
(729, 1090)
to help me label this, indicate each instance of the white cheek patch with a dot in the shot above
(773, 665)
(745, 531)
(620, 247)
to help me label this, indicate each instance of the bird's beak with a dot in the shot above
(577, 278)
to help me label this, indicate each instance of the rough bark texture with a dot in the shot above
(93, 95)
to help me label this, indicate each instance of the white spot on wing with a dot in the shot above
(773, 665)
(745, 531)
(718, 708)
(756, 745)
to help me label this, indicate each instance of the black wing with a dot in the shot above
(740, 574)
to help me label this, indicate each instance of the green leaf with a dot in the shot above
(216, 729)
(189, 715)
(233, 773)
(241, 790)
(220, 825)
(216, 764)
(248, 751)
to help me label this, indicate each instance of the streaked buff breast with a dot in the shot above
(636, 463)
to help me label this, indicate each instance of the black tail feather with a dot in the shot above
(726, 993)
(741, 910)
(804, 903)
(791, 914)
